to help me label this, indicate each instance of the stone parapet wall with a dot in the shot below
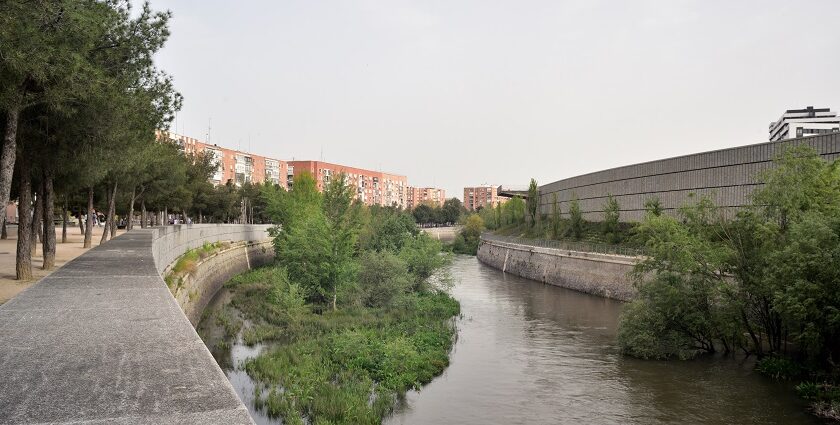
(171, 242)
(604, 275)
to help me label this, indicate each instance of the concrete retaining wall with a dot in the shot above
(102, 341)
(596, 274)
(197, 289)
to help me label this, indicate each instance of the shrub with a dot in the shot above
(779, 368)
(382, 277)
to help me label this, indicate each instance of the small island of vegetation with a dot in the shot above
(355, 310)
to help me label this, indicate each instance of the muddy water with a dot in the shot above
(529, 353)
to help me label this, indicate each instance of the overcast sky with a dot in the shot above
(458, 93)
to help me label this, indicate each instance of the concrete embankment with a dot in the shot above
(102, 340)
(604, 275)
(195, 290)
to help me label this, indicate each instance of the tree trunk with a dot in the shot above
(129, 224)
(64, 221)
(81, 223)
(23, 258)
(8, 153)
(113, 228)
(104, 236)
(4, 234)
(112, 209)
(109, 215)
(49, 225)
(37, 217)
(89, 225)
(142, 213)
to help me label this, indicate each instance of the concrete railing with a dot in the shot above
(101, 340)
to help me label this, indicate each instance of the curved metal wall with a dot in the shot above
(728, 176)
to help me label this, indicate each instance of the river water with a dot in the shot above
(529, 353)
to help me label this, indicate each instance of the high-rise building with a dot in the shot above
(420, 195)
(804, 122)
(370, 187)
(235, 166)
(481, 196)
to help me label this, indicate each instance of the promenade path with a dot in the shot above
(102, 341)
(64, 252)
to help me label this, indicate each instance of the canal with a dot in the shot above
(534, 353)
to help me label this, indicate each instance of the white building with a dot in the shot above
(804, 122)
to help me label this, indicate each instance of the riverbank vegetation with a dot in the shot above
(763, 283)
(522, 218)
(355, 310)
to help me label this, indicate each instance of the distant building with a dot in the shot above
(420, 195)
(235, 166)
(481, 196)
(804, 122)
(371, 187)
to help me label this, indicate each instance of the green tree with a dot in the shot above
(555, 217)
(387, 230)
(610, 225)
(653, 206)
(451, 210)
(382, 277)
(467, 240)
(533, 201)
(422, 256)
(424, 214)
(575, 218)
(318, 245)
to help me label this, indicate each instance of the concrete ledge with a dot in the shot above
(597, 274)
(102, 340)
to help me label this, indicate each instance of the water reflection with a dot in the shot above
(534, 353)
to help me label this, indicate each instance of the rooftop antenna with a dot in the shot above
(209, 121)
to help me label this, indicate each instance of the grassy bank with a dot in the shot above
(345, 366)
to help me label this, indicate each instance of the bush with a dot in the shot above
(423, 258)
(382, 277)
(779, 368)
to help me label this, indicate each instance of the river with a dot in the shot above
(529, 353)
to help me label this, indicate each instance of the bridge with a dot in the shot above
(102, 340)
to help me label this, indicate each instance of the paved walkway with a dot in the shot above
(64, 252)
(102, 341)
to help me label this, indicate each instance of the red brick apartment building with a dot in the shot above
(481, 196)
(419, 195)
(236, 166)
(372, 187)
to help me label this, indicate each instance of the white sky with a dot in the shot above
(455, 93)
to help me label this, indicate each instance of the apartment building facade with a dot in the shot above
(424, 195)
(481, 196)
(370, 187)
(805, 122)
(233, 165)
